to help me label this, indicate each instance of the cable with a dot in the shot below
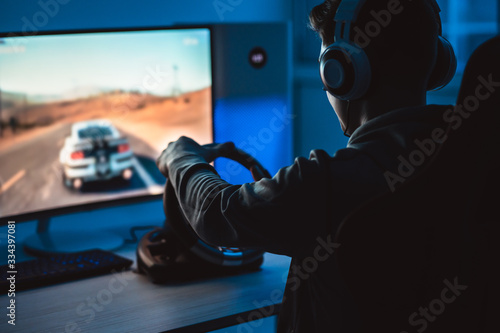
(347, 124)
(134, 238)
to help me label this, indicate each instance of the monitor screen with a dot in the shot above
(84, 115)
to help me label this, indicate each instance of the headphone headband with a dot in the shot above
(346, 14)
(348, 10)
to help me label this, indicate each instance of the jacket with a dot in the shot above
(297, 212)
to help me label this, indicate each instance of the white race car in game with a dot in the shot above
(95, 150)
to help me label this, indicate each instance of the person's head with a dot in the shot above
(400, 39)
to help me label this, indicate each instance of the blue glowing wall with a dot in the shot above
(252, 105)
(260, 126)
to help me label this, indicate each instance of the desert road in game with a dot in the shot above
(34, 169)
(32, 173)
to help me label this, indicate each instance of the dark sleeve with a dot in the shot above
(283, 215)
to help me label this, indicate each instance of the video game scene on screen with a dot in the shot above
(83, 117)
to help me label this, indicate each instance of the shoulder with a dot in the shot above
(320, 156)
(346, 165)
(341, 156)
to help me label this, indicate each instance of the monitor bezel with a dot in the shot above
(116, 202)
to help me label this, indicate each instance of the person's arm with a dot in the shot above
(285, 214)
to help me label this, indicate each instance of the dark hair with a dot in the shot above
(321, 20)
(403, 53)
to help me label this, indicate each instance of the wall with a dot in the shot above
(16, 15)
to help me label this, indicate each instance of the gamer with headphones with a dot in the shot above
(378, 60)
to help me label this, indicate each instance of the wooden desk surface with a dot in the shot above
(128, 302)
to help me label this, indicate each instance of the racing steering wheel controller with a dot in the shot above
(175, 253)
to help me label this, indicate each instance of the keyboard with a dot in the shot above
(59, 268)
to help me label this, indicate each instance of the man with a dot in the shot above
(297, 212)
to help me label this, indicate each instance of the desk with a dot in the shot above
(128, 302)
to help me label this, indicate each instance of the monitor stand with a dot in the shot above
(46, 242)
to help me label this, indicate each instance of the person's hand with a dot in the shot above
(185, 146)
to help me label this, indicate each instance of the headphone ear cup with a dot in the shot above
(445, 67)
(345, 71)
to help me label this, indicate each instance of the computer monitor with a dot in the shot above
(85, 114)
